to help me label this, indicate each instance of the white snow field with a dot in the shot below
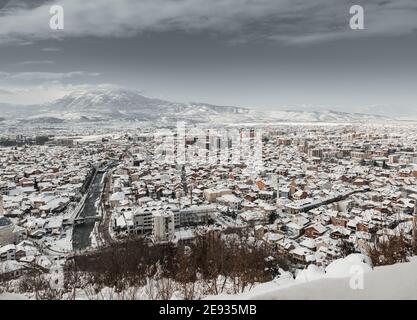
(11, 296)
(392, 282)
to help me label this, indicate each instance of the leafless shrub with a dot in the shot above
(210, 264)
(37, 283)
(388, 250)
(165, 288)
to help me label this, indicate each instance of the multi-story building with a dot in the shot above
(163, 226)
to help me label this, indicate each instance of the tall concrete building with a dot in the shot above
(163, 226)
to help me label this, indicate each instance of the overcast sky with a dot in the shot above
(263, 54)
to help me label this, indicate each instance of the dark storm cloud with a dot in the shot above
(51, 49)
(276, 54)
(290, 21)
(35, 62)
(45, 76)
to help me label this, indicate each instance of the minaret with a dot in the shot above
(276, 186)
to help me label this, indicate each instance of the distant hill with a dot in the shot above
(121, 104)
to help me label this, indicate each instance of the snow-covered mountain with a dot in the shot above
(323, 116)
(103, 104)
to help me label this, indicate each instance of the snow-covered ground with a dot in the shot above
(348, 278)
(61, 244)
(12, 296)
(397, 281)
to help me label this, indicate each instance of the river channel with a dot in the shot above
(81, 233)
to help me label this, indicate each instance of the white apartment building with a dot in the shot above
(163, 226)
(8, 252)
(143, 220)
(230, 201)
(358, 155)
(160, 222)
(196, 214)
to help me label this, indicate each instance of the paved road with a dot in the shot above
(103, 227)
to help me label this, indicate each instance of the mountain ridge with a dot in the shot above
(100, 104)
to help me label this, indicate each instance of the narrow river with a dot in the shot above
(81, 234)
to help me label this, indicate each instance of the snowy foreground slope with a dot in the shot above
(11, 296)
(397, 281)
